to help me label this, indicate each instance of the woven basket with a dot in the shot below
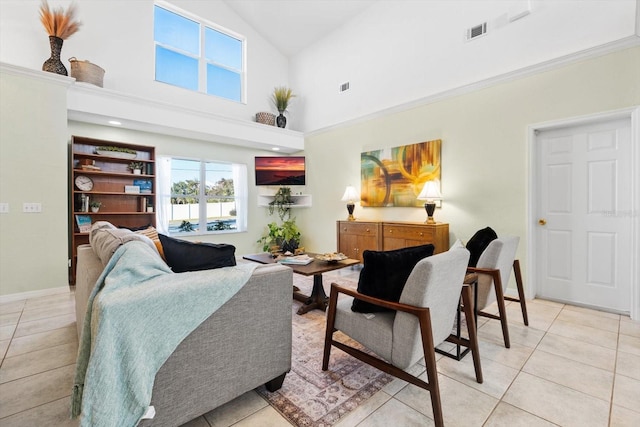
(266, 118)
(85, 71)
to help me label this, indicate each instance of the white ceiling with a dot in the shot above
(292, 25)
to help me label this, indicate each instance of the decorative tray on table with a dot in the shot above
(331, 257)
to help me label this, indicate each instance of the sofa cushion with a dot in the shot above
(182, 255)
(385, 273)
(152, 233)
(478, 243)
(105, 239)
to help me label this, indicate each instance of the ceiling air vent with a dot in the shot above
(477, 31)
(344, 87)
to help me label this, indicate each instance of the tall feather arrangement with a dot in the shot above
(281, 97)
(57, 22)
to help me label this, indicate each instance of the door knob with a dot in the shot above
(542, 221)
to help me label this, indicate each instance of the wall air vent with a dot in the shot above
(477, 31)
(344, 87)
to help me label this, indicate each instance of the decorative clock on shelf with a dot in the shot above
(84, 183)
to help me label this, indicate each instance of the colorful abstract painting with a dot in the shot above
(395, 176)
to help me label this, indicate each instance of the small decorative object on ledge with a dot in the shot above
(85, 71)
(281, 97)
(266, 118)
(60, 25)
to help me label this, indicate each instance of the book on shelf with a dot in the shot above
(296, 260)
(132, 189)
(84, 223)
(144, 184)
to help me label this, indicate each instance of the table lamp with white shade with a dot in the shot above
(350, 196)
(430, 192)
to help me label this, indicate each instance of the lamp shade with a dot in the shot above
(430, 191)
(350, 195)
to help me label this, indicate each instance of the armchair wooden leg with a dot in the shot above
(523, 301)
(471, 330)
(432, 372)
(331, 319)
(497, 282)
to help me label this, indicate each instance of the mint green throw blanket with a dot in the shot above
(141, 312)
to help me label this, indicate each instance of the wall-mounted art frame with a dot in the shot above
(395, 176)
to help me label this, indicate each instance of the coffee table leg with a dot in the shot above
(318, 298)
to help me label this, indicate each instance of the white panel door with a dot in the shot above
(584, 241)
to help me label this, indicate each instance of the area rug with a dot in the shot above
(312, 397)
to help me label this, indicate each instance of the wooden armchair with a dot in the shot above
(423, 319)
(493, 270)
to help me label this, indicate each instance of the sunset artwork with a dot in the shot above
(280, 170)
(395, 176)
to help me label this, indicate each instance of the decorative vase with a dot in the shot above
(137, 171)
(53, 64)
(281, 120)
(95, 210)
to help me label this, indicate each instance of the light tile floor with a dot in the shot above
(571, 367)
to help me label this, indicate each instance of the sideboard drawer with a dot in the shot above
(408, 232)
(360, 229)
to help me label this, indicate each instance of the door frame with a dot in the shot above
(632, 113)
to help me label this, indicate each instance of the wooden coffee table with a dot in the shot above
(318, 298)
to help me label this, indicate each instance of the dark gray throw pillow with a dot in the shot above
(182, 255)
(385, 273)
(478, 243)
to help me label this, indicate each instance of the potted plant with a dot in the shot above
(136, 167)
(281, 202)
(95, 206)
(281, 97)
(284, 237)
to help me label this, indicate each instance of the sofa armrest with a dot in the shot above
(88, 269)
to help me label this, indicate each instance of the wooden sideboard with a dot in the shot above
(354, 237)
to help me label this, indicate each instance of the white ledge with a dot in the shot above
(93, 104)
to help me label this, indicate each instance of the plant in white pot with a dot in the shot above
(136, 167)
(95, 206)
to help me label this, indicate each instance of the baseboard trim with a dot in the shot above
(34, 294)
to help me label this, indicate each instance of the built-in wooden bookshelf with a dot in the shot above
(105, 177)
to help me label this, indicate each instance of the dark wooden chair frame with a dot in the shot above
(424, 318)
(500, 297)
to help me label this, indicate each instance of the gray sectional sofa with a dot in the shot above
(244, 344)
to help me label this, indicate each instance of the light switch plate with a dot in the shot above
(4, 208)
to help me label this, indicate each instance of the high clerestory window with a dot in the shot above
(198, 55)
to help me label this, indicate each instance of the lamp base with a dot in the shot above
(430, 207)
(350, 208)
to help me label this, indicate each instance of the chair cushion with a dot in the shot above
(385, 273)
(478, 243)
(182, 255)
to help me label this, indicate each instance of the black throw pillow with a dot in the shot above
(385, 273)
(182, 255)
(478, 243)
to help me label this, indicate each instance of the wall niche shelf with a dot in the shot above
(299, 200)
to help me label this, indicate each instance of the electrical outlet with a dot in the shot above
(32, 207)
(4, 208)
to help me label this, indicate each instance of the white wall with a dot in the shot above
(484, 148)
(401, 51)
(118, 36)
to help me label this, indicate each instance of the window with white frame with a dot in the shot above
(197, 55)
(201, 197)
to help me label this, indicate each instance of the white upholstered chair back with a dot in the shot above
(434, 282)
(499, 255)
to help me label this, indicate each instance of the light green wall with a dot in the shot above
(484, 149)
(33, 168)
